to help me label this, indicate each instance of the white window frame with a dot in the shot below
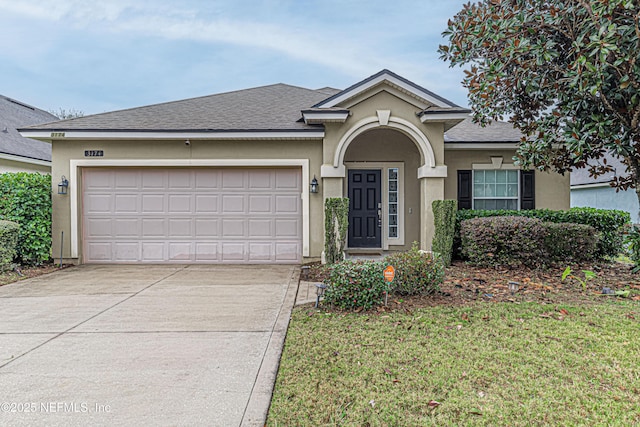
(384, 188)
(496, 164)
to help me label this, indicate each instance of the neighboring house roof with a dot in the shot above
(14, 115)
(581, 176)
(268, 108)
(468, 131)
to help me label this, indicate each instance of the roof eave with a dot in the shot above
(133, 134)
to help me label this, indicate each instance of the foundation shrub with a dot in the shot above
(355, 285)
(25, 198)
(504, 241)
(417, 272)
(444, 218)
(609, 223)
(567, 242)
(9, 232)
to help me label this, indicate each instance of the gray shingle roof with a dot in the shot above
(467, 131)
(266, 108)
(14, 115)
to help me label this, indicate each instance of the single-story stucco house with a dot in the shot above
(596, 192)
(227, 178)
(17, 153)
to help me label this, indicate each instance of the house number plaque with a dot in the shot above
(93, 153)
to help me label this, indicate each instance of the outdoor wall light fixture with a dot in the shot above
(63, 186)
(513, 287)
(314, 185)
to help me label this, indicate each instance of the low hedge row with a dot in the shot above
(514, 241)
(9, 232)
(360, 284)
(609, 223)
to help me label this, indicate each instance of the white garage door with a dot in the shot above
(204, 215)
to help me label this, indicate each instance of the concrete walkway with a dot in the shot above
(143, 345)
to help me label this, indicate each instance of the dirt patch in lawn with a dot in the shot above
(465, 283)
(22, 273)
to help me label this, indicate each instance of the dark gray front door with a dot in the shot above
(364, 205)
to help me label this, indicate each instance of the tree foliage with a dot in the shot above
(64, 114)
(565, 72)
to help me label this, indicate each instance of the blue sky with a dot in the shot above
(115, 54)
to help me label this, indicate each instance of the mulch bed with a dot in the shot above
(22, 273)
(465, 283)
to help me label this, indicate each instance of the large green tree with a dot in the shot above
(565, 72)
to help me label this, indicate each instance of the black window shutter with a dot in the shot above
(465, 189)
(527, 190)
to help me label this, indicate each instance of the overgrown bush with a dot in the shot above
(503, 241)
(26, 199)
(355, 284)
(609, 223)
(571, 242)
(417, 272)
(336, 223)
(444, 218)
(9, 233)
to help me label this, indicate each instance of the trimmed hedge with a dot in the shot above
(417, 272)
(503, 241)
(26, 199)
(571, 242)
(336, 223)
(609, 223)
(9, 232)
(444, 219)
(355, 284)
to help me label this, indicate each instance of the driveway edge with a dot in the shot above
(257, 409)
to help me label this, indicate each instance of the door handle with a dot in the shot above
(379, 218)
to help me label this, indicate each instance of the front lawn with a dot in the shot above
(484, 363)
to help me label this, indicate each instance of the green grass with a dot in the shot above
(486, 364)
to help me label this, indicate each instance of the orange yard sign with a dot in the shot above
(389, 274)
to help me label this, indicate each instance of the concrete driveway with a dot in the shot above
(143, 345)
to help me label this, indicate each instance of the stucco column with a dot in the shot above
(332, 187)
(430, 189)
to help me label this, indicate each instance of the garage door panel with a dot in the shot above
(232, 203)
(180, 203)
(204, 215)
(99, 227)
(153, 251)
(153, 203)
(126, 251)
(98, 203)
(154, 227)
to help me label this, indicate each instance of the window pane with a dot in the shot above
(393, 186)
(512, 176)
(393, 219)
(393, 173)
(478, 190)
(512, 190)
(393, 231)
(513, 204)
(393, 197)
(478, 204)
(489, 190)
(490, 177)
(478, 177)
(501, 177)
(393, 208)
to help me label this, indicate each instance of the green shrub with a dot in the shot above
(9, 233)
(336, 223)
(444, 218)
(503, 241)
(355, 284)
(609, 223)
(570, 242)
(26, 199)
(633, 242)
(417, 272)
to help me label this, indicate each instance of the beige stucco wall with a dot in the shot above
(552, 189)
(13, 166)
(64, 151)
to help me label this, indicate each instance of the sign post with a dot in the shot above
(389, 274)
